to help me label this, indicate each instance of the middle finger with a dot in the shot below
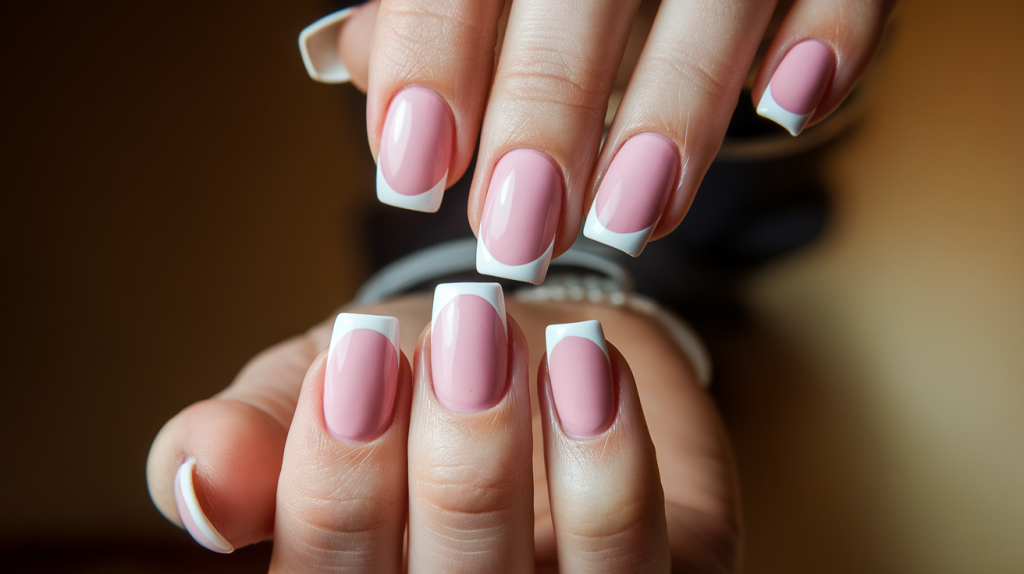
(542, 130)
(470, 439)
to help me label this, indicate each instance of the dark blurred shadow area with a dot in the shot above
(179, 195)
(176, 199)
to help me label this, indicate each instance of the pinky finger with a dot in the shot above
(819, 54)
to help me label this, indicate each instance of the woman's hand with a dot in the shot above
(477, 483)
(532, 79)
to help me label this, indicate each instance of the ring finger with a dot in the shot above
(673, 117)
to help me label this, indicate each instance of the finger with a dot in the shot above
(470, 441)
(430, 70)
(607, 502)
(336, 48)
(818, 55)
(213, 468)
(672, 118)
(542, 131)
(341, 498)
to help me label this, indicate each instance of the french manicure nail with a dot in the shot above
(362, 376)
(318, 44)
(468, 345)
(797, 85)
(415, 150)
(521, 213)
(581, 378)
(633, 193)
(192, 515)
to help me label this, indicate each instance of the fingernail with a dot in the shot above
(415, 150)
(362, 376)
(524, 203)
(192, 515)
(468, 345)
(318, 44)
(797, 85)
(581, 377)
(633, 193)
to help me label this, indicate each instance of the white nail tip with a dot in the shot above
(428, 202)
(318, 44)
(769, 108)
(631, 243)
(348, 322)
(590, 330)
(532, 272)
(490, 292)
(192, 515)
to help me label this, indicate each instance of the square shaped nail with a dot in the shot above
(633, 193)
(361, 378)
(797, 85)
(415, 150)
(520, 218)
(468, 345)
(581, 378)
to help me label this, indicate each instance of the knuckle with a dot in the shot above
(417, 30)
(593, 527)
(327, 518)
(468, 489)
(548, 72)
(688, 74)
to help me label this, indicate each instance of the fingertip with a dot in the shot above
(213, 470)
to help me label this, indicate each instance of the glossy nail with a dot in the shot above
(415, 150)
(521, 213)
(581, 377)
(318, 44)
(362, 376)
(797, 85)
(192, 515)
(468, 345)
(634, 192)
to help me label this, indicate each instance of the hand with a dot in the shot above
(476, 486)
(433, 85)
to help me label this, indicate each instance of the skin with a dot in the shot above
(682, 510)
(488, 491)
(539, 74)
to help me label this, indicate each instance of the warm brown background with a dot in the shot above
(178, 195)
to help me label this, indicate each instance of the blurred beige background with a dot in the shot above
(178, 195)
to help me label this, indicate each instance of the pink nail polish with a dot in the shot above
(797, 85)
(581, 377)
(521, 213)
(634, 192)
(468, 345)
(191, 513)
(362, 376)
(415, 150)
